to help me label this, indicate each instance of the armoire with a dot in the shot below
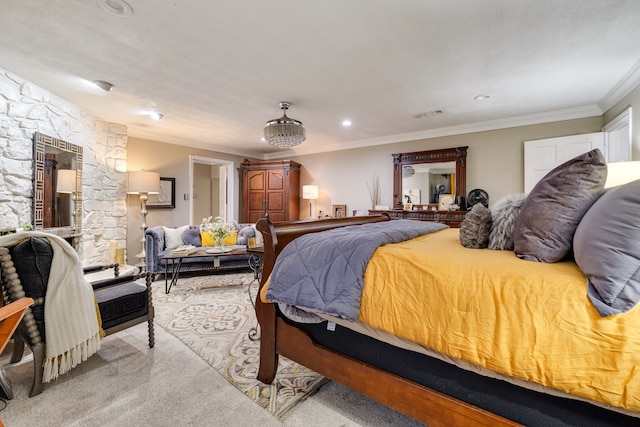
(270, 187)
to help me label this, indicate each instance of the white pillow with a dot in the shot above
(259, 238)
(173, 236)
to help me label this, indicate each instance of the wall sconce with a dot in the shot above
(619, 173)
(310, 192)
(143, 183)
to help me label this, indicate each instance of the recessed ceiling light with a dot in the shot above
(481, 97)
(156, 116)
(116, 7)
(346, 123)
(106, 86)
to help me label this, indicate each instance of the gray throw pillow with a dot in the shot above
(607, 249)
(503, 220)
(245, 233)
(191, 236)
(545, 227)
(475, 227)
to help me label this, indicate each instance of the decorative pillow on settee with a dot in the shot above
(245, 233)
(191, 236)
(173, 236)
(606, 247)
(545, 227)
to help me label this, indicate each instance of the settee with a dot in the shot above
(160, 240)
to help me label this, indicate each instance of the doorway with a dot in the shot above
(212, 189)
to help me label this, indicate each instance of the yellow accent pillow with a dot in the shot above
(231, 240)
(207, 240)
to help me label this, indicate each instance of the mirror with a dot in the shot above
(57, 186)
(421, 177)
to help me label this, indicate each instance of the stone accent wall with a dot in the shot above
(26, 108)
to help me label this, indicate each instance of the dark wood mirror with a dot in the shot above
(57, 186)
(421, 177)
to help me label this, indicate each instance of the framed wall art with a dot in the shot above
(166, 199)
(339, 211)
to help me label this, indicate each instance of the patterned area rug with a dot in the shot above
(213, 315)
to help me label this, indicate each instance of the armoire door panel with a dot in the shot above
(256, 180)
(276, 201)
(275, 181)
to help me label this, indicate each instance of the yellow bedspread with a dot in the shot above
(524, 319)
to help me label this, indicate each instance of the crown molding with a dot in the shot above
(621, 89)
(169, 139)
(510, 122)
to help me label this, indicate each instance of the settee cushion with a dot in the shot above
(173, 236)
(191, 236)
(121, 303)
(32, 260)
(245, 233)
(545, 227)
(607, 249)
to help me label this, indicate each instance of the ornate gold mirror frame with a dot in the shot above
(401, 160)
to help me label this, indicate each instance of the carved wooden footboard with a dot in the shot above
(279, 337)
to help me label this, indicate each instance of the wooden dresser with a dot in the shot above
(451, 218)
(272, 187)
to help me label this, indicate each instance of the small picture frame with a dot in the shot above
(166, 199)
(408, 206)
(339, 211)
(444, 201)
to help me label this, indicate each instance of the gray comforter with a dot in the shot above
(324, 272)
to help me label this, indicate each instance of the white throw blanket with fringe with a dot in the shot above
(71, 322)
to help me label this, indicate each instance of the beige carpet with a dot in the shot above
(213, 315)
(127, 384)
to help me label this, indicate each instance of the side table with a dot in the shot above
(255, 264)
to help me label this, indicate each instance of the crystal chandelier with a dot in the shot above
(284, 132)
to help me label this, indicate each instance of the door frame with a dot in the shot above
(227, 185)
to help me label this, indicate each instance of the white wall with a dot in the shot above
(494, 163)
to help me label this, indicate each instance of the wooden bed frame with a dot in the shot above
(281, 338)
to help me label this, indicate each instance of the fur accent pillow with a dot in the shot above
(475, 227)
(503, 220)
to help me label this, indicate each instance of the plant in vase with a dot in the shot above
(218, 228)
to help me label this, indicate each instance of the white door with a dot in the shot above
(542, 155)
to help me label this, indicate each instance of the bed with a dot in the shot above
(493, 339)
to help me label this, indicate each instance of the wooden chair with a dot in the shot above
(122, 302)
(10, 317)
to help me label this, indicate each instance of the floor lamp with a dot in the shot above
(143, 183)
(310, 192)
(67, 183)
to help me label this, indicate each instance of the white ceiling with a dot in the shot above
(217, 69)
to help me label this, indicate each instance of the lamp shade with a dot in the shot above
(143, 182)
(619, 173)
(67, 181)
(310, 192)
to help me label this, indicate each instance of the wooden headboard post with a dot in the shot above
(276, 236)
